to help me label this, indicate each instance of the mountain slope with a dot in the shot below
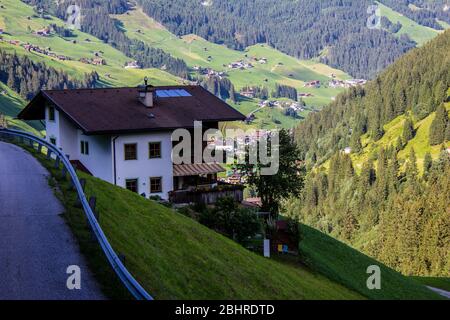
(377, 180)
(339, 26)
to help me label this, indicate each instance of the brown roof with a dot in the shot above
(182, 170)
(118, 110)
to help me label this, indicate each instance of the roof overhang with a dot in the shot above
(185, 170)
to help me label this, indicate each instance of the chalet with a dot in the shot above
(313, 84)
(124, 135)
(45, 32)
(99, 61)
(132, 65)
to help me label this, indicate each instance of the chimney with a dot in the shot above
(147, 94)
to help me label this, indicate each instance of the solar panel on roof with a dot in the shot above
(172, 93)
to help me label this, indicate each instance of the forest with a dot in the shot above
(27, 77)
(393, 210)
(303, 28)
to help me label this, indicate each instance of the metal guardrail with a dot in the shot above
(124, 275)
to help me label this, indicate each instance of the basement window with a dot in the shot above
(130, 151)
(132, 185)
(53, 141)
(155, 185)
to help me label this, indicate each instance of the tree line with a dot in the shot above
(27, 77)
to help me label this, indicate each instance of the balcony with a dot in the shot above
(207, 194)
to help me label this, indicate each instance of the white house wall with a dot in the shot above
(143, 168)
(52, 127)
(99, 159)
(68, 137)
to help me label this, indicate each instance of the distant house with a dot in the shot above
(45, 32)
(132, 65)
(123, 135)
(1, 31)
(313, 84)
(98, 61)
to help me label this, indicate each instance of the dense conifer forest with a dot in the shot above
(27, 77)
(395, 210)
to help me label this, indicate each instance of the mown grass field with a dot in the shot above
(196, 51)
(174, 257)
(348, 266)
(436, 282)
(10, 106)
(420, 34)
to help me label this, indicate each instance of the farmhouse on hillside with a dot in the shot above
(124, 136)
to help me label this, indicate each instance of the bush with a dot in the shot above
(231, 220)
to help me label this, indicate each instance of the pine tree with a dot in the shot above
(439, 126)
(427, 165)
(408, 130)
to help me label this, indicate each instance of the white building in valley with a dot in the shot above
(123, 135)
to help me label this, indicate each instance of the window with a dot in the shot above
(131, 151)
(132, 185)
(156, 185)
(51, 113)
(85, 147)
(53, 141)
(154, 150)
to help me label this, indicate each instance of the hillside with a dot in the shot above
(348, 266)
(174, 257)
(379, 164)
(198, 52)
(340, 27)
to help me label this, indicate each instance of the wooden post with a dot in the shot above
(63, 172)
(57, 161)
(83, 185)
(93, 204)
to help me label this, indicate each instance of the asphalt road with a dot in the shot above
(36, 245)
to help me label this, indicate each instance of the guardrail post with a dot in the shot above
(30, 142)
(49, 154)
(39, 148)
(93, 204)
(63, 172)
(57, 161)
(83, 186)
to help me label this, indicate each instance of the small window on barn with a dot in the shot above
(51, 113)
(130, 151)
(154, 150)
(132, 185)
(53, 141)
(156, 185)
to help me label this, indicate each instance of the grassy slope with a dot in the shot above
(174, 257)
(436, 282)
(420, 34)
(393, 130)
(13, 19)
(196, 50)
(10, 106)
(348, 266)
